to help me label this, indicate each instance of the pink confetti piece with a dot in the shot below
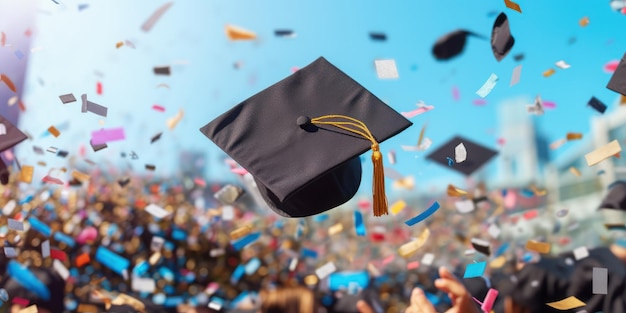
(3, 39)
(413, 265)
(159, 108)
(107, 135)
(611, 66)
(294, 69)
(52, 180)
(239, 171)
(388, 260)
(418, 111)
(20, 301)
(549, 105)
(99, 88)
(364, 204)
(200, 182)
(501, 141)
(9, 155)
(82, 151)
(510, 200)
(456, 94)
(479, 102)
(86, 235)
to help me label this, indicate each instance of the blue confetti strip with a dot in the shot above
(237, 274)
(59, 236)
(502, 249)
(450, 161)
(475, 270)
(28, 280)
(308, 253)
(241, 243)
(358, 223)
(111, 260)
(28, 199)
(320, 218)
(173, 301)
(252, 266)
(39, 226)
(424, 215)
(343, 280)
(528, 193)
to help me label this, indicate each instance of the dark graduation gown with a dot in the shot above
(555, 280)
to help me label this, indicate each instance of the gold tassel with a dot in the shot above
(378, 189)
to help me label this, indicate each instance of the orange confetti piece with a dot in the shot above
(456, 192)
(622, 100)
(119, 44)
(238, 33)
(20, 105)
(3, 39)
(575, 171)
(512, 5)
(574, 136)
(584, 21)
(82, 259)
(537, 246)
(54, 131)
(26, 174)
(7, 81)
(549, 73)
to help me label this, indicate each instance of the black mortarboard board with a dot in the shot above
(618, 80)
(451, 44)
(501, 39)
(10, 136)
(302, 166)
(378, 36)
(597, 105)
(477, 155)
(615, 199)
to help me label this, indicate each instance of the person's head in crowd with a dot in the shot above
(287, 300)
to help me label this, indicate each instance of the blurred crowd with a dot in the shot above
(99, 246)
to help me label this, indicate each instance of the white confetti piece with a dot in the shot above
(325, 270)
(157, 211)
(562, 65)
(386, 69)
(487, 86)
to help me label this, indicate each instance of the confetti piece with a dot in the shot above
(3, 39)
(359, 226)
(475, 269)
(26, 174)
(162, 70)
(600, 281)
(410, 248)
(15, 225)
(465, 206)
(574, 136)
(557, 144)
(157, 211)
(428, 259)
(581, 253)
(58, 255)
(68, 98)
(103, 136)
(240, 232)
(82, 260)
(155, 17)
(488, 86)
(422, 216)
(80, 176)
(540, 247)
(158, 108)
(516, 75)
(548, 73)
(325, 270)
(335, 229)
(397, 207)
(245, 241)
(566, 304)
(602, 153)
(238, 33)
(456, 94)
(562, 65)
(7, 81)
(156, 137)
(119, 44)
(45, 249)
(583, 22)
(386, 69)
(460, 153)
(455, 192)
(597, 105)
(422, 108)
(611, 66)
(479, 102)
(497, 262)
(54, 131)
(575, 171)
(512, 5)
(113, 261)
(173, 121)
(28, 280)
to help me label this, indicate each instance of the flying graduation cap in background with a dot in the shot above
(452, 44)
(10, 136)
(618, 80)
(501, 39)
(301, 139)
(476, 155)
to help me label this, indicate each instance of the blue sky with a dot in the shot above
(75, 44)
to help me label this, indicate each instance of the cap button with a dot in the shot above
(303, 121)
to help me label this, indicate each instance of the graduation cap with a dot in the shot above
(10, 136)
(451, 44)
(615, 199)
(618, 80)
(306, 159)
(477, 155)
(501, 39)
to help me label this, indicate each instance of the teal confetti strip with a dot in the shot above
(475, 270)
